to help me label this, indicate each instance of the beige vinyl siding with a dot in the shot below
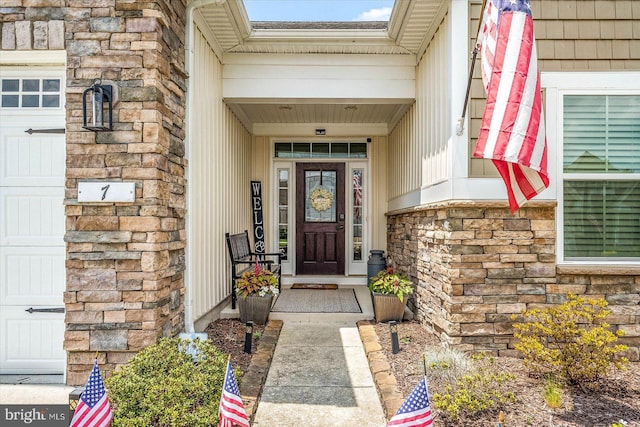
(220, 163)
(571, 35)
(417, 149)
(378, 192)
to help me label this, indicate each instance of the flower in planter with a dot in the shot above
(258, 281)
(389, 282)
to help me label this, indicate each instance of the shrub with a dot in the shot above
(571, 340)
(552, 393)
(446, 364)
(164, 386)
(484, 389)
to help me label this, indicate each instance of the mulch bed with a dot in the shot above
(228, 336)
(618, 398)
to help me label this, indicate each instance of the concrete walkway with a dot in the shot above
(34, 394)
(319, 377)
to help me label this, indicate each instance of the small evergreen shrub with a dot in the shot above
(485, 388)
(446, 364)
(571, 340)
(164, 386)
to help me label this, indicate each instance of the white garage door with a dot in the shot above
(32, 223)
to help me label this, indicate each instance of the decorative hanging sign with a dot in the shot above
(258, 224)
(321, 199)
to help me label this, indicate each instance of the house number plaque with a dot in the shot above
(106, 191)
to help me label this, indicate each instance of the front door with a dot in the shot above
(320, 218)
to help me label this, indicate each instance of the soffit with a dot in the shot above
(411, 22)
(411, 26)
(320, 113)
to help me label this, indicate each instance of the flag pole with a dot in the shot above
(460, 126)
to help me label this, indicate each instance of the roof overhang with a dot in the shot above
(232, 35)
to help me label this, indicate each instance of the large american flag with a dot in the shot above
(93, 409)
(415, 411)
(232, 411)
(512, 133)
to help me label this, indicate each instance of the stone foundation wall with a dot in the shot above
(125, 261)
(476, 264)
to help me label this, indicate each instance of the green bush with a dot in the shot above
(446, 365)
(552, 393)
(485, 388)
(163, 386)
(571, 340)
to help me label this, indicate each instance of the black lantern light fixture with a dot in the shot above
(97, 113)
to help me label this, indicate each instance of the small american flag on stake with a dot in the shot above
(232, 411)
(416, 410)
(512, 133)
(93, 409)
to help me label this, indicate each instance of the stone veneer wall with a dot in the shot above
(476, 264)
(125, 261)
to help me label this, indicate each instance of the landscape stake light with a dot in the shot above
(395, 345)
(247, 337)
(97, 113)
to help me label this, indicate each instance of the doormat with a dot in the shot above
(313, 286)
(317, 301)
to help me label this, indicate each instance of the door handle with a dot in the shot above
(32, 131)
(45, 310)
(339, 227)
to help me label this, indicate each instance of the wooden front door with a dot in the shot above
(320, 218)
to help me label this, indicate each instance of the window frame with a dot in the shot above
(557, 85)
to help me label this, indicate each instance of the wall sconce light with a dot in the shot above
(247, 337)
(395, 344)
(100, 116)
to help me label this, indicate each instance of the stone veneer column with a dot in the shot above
(476, 264)
(125, 261)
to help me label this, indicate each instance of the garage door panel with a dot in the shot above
(32, 220)
(33, 340)
(32, 160)
(32, 277)
(33, 216)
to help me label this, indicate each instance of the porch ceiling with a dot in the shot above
(408, 32)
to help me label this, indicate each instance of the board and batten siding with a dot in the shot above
(418, 150)
(378, 192)
(220, 170)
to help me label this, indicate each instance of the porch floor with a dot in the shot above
(362, 295)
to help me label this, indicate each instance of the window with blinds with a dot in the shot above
(601, 172)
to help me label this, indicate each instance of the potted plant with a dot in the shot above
(255, 290)
(390, 292)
